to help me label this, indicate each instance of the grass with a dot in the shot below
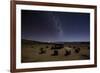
(30, 52)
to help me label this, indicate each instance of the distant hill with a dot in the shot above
(24, 41)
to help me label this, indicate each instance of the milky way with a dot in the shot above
(55, 26)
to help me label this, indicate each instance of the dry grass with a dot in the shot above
(30, 53)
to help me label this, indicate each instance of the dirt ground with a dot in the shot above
(32, 52)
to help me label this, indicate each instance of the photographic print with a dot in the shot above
(52, 36)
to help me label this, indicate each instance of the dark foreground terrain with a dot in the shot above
(34, 51)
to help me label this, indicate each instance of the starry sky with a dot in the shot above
(55, 26)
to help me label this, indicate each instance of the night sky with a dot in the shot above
(50, 26)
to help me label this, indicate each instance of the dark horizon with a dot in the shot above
(53, 41)
(49, 26)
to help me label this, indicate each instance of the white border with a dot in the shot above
(20, 65)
